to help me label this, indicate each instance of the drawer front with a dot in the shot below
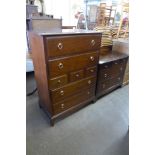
(106, 66)
(72, 88)
(74, 76)
(105, 85)
(117, 68)
(58, 82)
(91, 71)
(60, 46)
(102, 86)
(73, 63)
(74, 100)
(104, 74)
(116, 81)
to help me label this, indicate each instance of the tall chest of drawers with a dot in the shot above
(65, 65)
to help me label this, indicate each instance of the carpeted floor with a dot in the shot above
(98, 129)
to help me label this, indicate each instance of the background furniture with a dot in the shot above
(43, 23)
(105, 14)
(65, 66)
(31, 10)
(104, 50)
(124, 25)
(111, 70)
(38, 23)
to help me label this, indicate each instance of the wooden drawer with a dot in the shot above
(117, 68)
(123, 61)
(72, 88)
(65, 45)
(111, 70)
(74, 76)
(85, 95)
(58, 82)
(102, 86)
(105, 85)
(69, 64)
(106, 65)
(91, 71)
(104, 74)
(116, 81)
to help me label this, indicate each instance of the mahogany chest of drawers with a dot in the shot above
(111, 70)
(65, 65)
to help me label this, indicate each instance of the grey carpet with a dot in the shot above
(98, 129)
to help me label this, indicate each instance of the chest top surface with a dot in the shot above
(113, 56)
(59, 32)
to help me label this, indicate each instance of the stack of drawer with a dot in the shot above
(70, 64)
(110, 73)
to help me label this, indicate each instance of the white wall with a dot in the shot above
(63, 8)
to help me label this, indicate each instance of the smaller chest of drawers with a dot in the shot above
(111, 70)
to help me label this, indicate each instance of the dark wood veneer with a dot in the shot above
(111, 70)
(65, 73)
(65, 45)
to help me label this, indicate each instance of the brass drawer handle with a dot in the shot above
(105, 75)
(60, 46)
(121, 68)
(89, 81)
(60, 65)
(88, 92)
(61, 92)
(59, 81)
(77, 75)
(92, 58)
(62, 106)
(92, 70)
(92, 42)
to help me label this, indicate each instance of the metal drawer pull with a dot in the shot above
(119, 78)
(77, 75)
(60, 65)
(92, 58)
(61, 92)
(62, 106)
(105, 75)
(116, 63)
(121, 69)
(89, 81)
(92, 42)
(88, 92)
(92, 70)
(60, 46)
(58, 81)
